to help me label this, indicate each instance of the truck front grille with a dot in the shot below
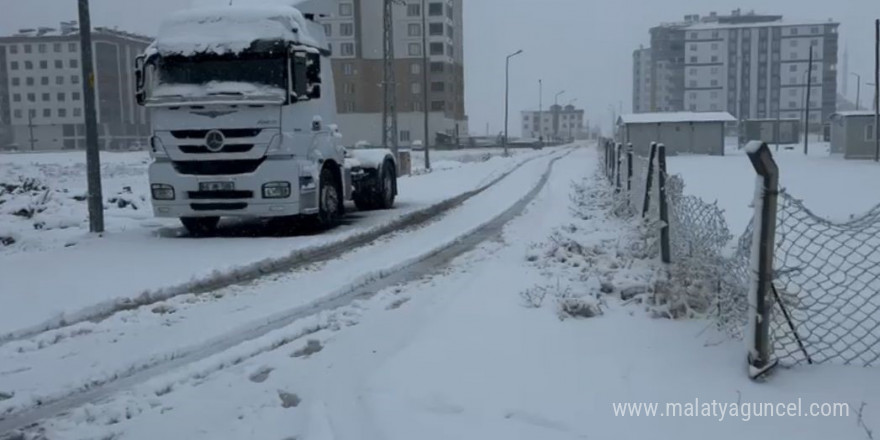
(217, 167)
(201, 149)
(228, 133)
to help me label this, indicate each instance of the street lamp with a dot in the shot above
(541, 112)
(556, 98)
(858, 89)
(507, 95)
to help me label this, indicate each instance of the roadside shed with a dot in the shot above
(772, 131)
(681, 132)
(852, 134)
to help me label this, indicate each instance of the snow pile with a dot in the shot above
(232, 29)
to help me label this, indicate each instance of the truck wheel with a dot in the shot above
(329, 200)
(200, 226)
(385, 194)
(364, 202)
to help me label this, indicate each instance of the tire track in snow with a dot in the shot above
(365, 287)
(250, 272)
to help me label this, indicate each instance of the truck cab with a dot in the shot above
(242, 108)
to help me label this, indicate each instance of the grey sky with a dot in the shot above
(582, 46)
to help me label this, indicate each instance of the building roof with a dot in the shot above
(70, 30)
(716, 25)
(670, 117)
(850, 113)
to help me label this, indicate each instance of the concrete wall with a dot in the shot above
(682, 137)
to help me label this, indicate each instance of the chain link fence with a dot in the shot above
(821, 294)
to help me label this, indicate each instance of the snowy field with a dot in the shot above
(43, 216)
(534, 334)
(829, 185)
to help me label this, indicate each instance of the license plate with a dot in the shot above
(216, 186)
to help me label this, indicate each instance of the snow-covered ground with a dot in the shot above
(535, 334)
(55, 271)
(829, 185)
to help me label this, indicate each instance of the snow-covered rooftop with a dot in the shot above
(848, 113)
(656, 118)
(232, 29)
(718, 25)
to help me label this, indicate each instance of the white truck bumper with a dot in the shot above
(245, 200)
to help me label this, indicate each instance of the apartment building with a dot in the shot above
(355, 34)
(753, 66)
(41, 102)
(642, 80)
(556, 123)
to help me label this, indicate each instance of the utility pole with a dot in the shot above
(507, 95)
(31, 128)
(877, 90)
(541, 112)
(93, 156)
(389, 84)
(807, 105)
(858, 90)
(425, 79)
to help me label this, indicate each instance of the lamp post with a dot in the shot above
(858, 89)
(541, 112)
(556, 115)
(507, 95)
(425, 79)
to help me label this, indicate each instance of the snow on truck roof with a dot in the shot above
(232, 29)
(670, 117)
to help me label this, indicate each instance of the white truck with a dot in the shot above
(242, 106)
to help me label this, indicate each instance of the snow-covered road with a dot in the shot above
(464, 351)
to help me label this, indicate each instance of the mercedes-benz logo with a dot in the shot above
(215, 140)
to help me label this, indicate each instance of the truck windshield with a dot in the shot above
(220, 75)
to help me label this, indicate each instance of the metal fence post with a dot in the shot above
(763, 246)
(618, 157)
(649, 182)
(664, 210)
(629, 168)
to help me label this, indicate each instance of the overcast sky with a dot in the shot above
(581, 46)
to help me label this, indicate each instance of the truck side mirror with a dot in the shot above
(299, 89)
(139, 80)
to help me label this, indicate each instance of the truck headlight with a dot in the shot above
(278, 148)
(162, 192)
(157, 148)
(276, 190)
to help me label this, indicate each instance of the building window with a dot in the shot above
(438, 86)
(415, 68)
(75, 96)
(714, 46)
(346, 10)
(346, 29)
(417, 106)
(27, 48)
(814, 30)
(415, 30)
(328, 29)
(814, 42)
(792, 68)
(692, 83)
(16, 81)
(29, 81)
(59, 80)
(792, 104)
(47, 113)
(71, 47)
(73, 79)
(435, 9)
(32, 97)
(77, 112)
(47, 97)
(438, 106)
(17, 114)
(32, 113)
(62, 97)
(346, 49)
(44, 64)
(694, 36)
(349, 107)
(404, 135)
(13, 65)
(437, 67)
(435, 29)
(693, 59)
(16, 97)
(794, 31)
(348, 69)
(42, 48)
(793, 43)
(713, 94)
(13, 48)
(450, 31)
(714, 58)
(693, 96)
(56, 47)
(714, 83)
(693, 47)
(415, 49)
(28, 65)
(792, 92)
(416, 88)
(348, 88)
(62, 113)
(59, 64)
(413, 10)
(436, 48)
(869, 132)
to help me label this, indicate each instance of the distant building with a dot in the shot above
(355, 33)
(556, 123)
(753, 66)
(642, 80)
(41, 103)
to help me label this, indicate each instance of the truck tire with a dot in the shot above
(386, 187)
(200, 226)
(329, 200)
